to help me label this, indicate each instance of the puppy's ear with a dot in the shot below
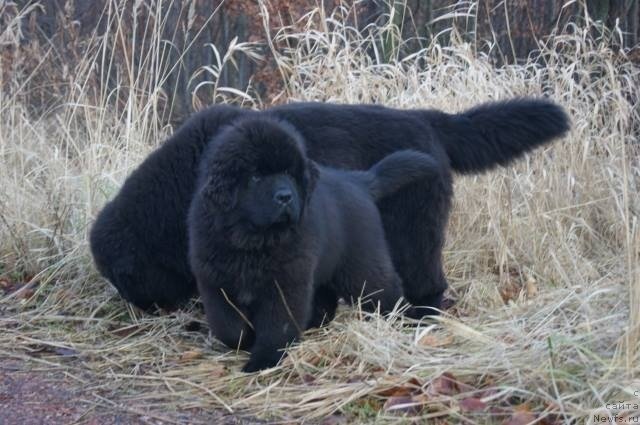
(221, 191)
(310, 178)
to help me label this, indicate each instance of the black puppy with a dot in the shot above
(268, 228)
(139, 240)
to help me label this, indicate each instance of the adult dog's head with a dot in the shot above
(257, 179)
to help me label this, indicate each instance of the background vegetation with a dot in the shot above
(543, 257)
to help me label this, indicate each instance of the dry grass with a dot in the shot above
(543, 257)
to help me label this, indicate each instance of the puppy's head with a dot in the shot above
(259, 178)
(272, 200)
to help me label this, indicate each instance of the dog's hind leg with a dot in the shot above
(147, 285)
(323, 308)
(415, 221)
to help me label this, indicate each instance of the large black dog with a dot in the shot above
(139, 240)
(269, 228)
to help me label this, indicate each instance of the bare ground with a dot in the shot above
(31, 394)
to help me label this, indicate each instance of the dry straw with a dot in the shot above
(543, 256)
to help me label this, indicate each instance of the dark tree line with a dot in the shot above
(515, 26)
(511, 27)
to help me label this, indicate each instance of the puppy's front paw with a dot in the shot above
(259, 361)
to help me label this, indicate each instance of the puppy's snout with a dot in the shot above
(283, 196)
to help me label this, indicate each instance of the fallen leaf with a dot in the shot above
(314, 360)
(307, 378)
(218, 371)
(509, 291)
(421, 399)
(488, 392)
(445, 384)
(523, 407)
(499, 411)
(521, 418)
(26, 293)
(356, 378)
(407, 388)
(433, 340)
(396, 392)
(191, 355)
(472, 404)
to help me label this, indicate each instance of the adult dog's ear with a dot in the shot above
(221, 191)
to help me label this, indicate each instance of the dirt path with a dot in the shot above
(30, 396)
(33, 395)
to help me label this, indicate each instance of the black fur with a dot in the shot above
(139, 239)
(268, 229)
(501, 132)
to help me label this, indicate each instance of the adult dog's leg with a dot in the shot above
(415, 221)
(140, 277)
(323, 308)
(155, 285)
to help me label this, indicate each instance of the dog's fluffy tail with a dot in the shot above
(495, 133)
(398, 170)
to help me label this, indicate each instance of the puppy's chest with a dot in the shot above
(245, 276)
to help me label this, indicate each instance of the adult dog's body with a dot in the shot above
(139, 240)
(270, 229)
